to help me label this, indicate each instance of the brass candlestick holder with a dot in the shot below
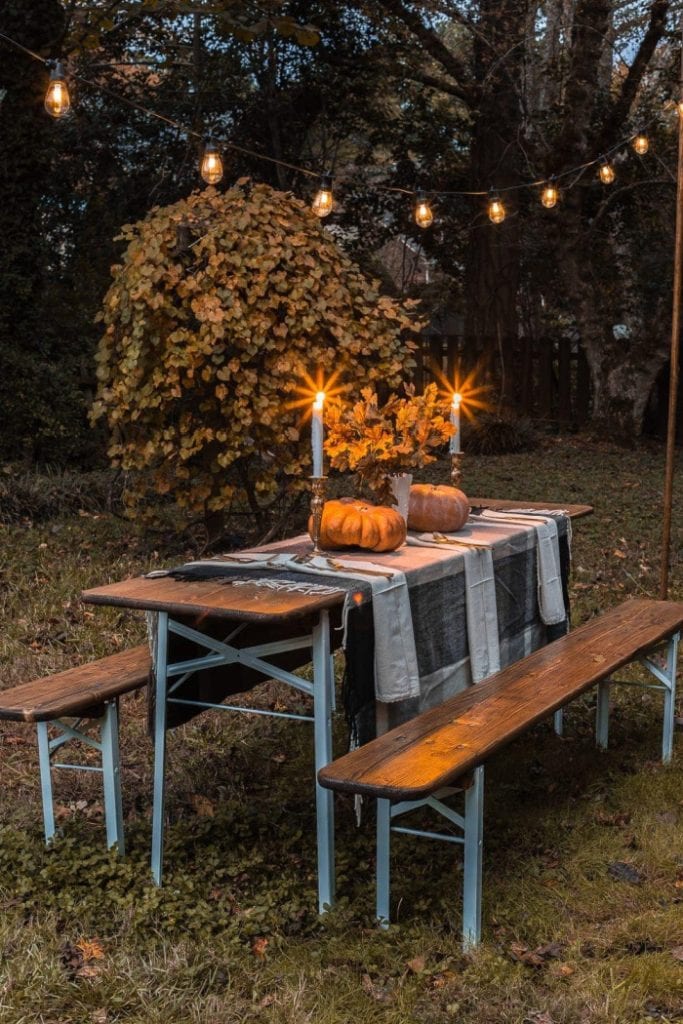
(318, 485)
(456, 469)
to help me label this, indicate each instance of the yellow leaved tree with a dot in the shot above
(222, 303)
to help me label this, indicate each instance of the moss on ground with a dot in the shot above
(583, 920)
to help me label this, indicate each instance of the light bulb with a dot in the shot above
(549, 195)
(606, 173)
(497, 212)
(211, 167)
(641, 143)
(323, 200)
(423, 211)
(57, 101)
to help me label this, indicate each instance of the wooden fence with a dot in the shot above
(548, 378)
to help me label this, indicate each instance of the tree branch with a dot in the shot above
(622, 105)
(433, 46)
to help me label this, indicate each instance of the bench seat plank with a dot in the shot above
(76, 689)
(437, 747)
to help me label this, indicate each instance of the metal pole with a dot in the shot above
(675, 344)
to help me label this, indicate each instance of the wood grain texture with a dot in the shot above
(210, 597)
(500, 505)
(77, 689)
(437, 747)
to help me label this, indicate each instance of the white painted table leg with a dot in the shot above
(324, 798)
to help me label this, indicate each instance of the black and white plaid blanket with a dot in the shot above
(437, 591)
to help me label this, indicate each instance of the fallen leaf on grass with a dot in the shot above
(677, 953)
(539, 1017)
(79, 959)
(99, 1016)
(90, 949)
(618, 818)
(259, 946)
(202, 805)
(380, 993)
(416, 965)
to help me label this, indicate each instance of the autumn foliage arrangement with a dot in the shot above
(204, 347)
(378, 441)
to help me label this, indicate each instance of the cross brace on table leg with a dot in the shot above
(472, 827)
(108, 746)
(666, 683)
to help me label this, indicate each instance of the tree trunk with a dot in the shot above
(493, 265)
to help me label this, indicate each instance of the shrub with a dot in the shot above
(499, 434)
(205, 348)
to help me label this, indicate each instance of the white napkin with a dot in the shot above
(480, 600)
(550, 599)
(396, 672)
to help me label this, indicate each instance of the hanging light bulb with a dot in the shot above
(57, 100)
(641, 143)
(424, 215)
(211, 166)
(323, 200)
(549, 195)
(496, 210)
(606, 173)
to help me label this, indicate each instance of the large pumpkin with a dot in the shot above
(350, 523)
(437, 507)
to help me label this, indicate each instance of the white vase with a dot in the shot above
(400, 488)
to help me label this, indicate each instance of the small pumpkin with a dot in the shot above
(351, 523)
(437, 507)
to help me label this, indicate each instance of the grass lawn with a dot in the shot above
(583, 871)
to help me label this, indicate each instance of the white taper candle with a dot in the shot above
(454, 447)
(317, 434)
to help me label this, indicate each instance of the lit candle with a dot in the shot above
(455, 423)
(317, 434)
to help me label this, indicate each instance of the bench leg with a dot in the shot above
(558, 722)
(46, 781)
(602, 716)
(383, 862)
(111, 774)
(474, 843)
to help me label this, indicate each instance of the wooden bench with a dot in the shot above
(447, 746)
(87, 692)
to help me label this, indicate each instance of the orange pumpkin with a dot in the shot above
(437, 507)
(350, 523)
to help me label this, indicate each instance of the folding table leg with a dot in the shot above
(474, 843)
(111, 773)
(324, 798)
(46, 781)
(602, 716)
(383, 861)
(669, 700)
(558, 722)
(160, 668)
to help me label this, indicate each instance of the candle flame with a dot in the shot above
(457, 399)
(319, 399)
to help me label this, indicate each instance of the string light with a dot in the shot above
(211, 165)
(496, 211)
(424, 215)
(57, 99)
(606, 172)
(549, 195)
(58, 104)
(641, 143)
(323, 200)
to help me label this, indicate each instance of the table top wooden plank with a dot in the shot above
(502, 505)
(466, 730)
(214, 598)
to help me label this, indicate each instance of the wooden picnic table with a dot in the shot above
(263, 634)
